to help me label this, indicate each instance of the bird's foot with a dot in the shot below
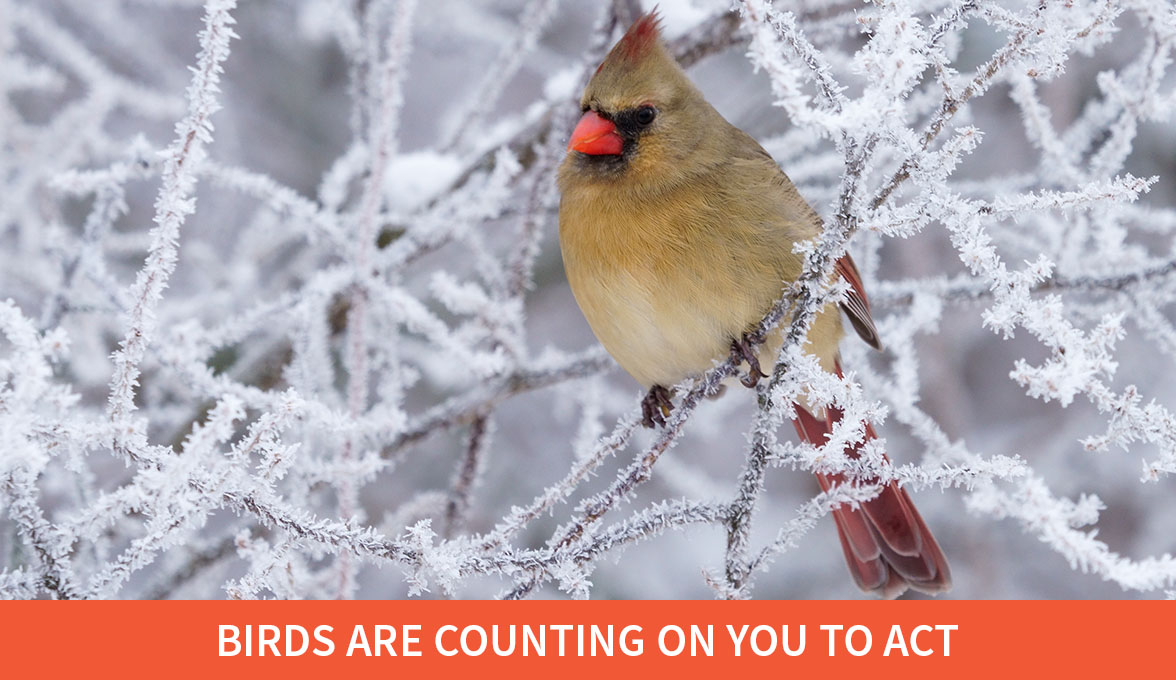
(656, 406)
(741, 350)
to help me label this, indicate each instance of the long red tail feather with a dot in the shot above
(886, 543)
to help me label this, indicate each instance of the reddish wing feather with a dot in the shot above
(856, 305)
(886, 543)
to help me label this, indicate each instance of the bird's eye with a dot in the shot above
(645, 115)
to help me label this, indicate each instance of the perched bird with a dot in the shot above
(677, 233)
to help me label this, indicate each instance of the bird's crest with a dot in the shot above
(637, 42)
(641, 36)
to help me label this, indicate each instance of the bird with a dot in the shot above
(676, 230)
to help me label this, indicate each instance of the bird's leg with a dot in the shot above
(741, 350)
(656, 406)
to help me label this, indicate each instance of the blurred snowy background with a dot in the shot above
(353, 367)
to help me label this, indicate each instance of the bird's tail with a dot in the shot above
(887, 545)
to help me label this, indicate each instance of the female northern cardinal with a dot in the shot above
(677, 230)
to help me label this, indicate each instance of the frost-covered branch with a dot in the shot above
(174, 203)
(353, 367)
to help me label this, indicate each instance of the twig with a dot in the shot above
(383, 143)
(458, 504)
(462, 409)
(192, 568)
(964, 289)
(173, 204)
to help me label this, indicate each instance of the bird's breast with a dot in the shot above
(664, 290)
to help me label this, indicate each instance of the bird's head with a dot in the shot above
(643, 120)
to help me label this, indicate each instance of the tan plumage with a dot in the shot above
(636, 273)
(668, 274)
(677, 233)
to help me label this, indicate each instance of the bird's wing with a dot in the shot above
(856, 305)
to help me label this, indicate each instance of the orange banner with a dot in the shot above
(584, 639)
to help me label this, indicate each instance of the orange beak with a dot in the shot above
(596, 136)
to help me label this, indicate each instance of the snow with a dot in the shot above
(414, 179)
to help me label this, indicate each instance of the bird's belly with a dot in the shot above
(657, 328)
(664, 325)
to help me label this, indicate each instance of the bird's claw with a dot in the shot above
(741, 350)
(656, 407)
